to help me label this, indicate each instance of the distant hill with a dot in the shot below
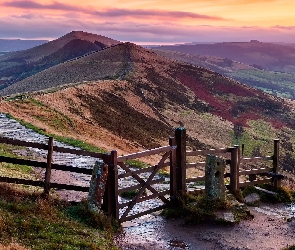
(270, 56)
(273, 82)
(9, 45)
(126, 96)
(19, 65)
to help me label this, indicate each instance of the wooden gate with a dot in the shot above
(144, 189)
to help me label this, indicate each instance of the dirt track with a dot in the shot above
(269, 230)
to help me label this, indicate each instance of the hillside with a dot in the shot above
(270, 56)
(19, 65)
(276, 83)
(145, 98)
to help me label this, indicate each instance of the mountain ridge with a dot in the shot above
(139, 97)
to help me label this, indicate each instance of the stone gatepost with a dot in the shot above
(214, 178)
(97, 186)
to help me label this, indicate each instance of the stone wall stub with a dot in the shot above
(97, 186)
(214, 178)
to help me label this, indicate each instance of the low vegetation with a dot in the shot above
(28, 220)
(195, 208)
(37, 223)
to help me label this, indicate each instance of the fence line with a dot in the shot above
(48, 165)
(175, 152)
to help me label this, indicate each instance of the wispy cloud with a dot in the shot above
(35, 5)
(111, 12)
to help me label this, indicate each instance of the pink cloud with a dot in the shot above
(110, 13)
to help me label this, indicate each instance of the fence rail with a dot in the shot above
(48, 166)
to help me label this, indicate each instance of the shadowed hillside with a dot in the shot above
(19, 65)
(149, 96)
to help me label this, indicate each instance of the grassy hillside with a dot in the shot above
(276, 83)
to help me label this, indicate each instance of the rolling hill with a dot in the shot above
(276, 83)
(270, 56)
(19, 65)
(128, 98)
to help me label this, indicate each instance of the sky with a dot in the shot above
(150, 21)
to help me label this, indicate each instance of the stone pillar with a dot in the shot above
(97, 186)
(214, 178)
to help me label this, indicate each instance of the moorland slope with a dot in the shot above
(145, 98)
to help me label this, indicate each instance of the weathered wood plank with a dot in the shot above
(44, 164)
(196, 164)
(131, 217)
(22, 181)
(256, 159)
(69, 187)
(23, 162)
(255, 171)
(145, 198)
(48, 167)
(127, 189)
(195, 179)
(144, 153)
(23, 143)
(207, 151)
(251, 183)
(79, 152)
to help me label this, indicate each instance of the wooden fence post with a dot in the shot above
(277, 183)
(173, 164)
(180, 137)
(48, 167)
(234, 169)
(110, 199)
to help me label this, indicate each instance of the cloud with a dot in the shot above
(37, 26)
(111, 12)
(154, 13)
(34, 5)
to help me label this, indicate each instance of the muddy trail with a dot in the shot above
(273, 226)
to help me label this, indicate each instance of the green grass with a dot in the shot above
(258, 138)
(13, 170)
(131, 194)
(31, 221)
(137, 164)
(68, 140)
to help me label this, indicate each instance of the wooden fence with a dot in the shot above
(48, 165)
(236, 161)
(174, 156)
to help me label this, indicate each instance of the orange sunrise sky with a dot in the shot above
(151, 22)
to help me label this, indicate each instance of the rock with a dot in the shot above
(252, 200)
(97, 186)
(225, 217)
